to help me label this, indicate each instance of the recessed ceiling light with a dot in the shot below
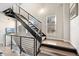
(42, 11)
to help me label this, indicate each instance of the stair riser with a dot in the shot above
(61, 48)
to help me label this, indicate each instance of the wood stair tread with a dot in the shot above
(58, 43)
(56, 51)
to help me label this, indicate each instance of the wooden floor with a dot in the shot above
(58, 43)
(7, 51)
(55, 51)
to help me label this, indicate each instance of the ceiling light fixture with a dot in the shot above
(42, 11)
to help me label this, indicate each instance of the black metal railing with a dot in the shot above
(21, 44)
(37, 24)
(19, 10)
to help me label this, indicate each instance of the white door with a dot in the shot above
(50, 26)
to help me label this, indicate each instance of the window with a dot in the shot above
(10, 30)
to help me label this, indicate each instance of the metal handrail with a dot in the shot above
(23, 36)
(27, 13)
(32, 24)
(31, 16)
(35, 43)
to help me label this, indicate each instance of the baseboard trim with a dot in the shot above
(66, 40)
(54, 38)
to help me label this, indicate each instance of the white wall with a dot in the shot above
(74, 32)
(66, 22)
(4, 6)
(5, 22)
(48, 9)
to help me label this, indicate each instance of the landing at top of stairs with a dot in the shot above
(58, 43)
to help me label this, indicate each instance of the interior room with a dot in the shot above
(39, 29)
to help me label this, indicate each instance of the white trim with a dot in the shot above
(66, 40)
(53, 38)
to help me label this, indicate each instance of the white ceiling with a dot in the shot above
(3, 6)
(35, 8)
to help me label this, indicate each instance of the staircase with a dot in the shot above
(44, 49)
(57, 48)
(27, 23)
(36, 32)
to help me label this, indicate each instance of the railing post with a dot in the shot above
(20, 45)
(41, 29)
(5, 40)
(28, 16)
(11, 41)
(12, 7)
(34, 48)
(19, 10)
